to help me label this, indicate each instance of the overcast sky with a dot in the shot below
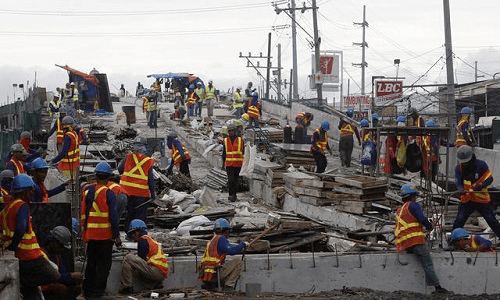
(130, 39)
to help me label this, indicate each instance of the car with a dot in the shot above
(114, 97)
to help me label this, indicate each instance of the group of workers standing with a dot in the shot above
(68, 99)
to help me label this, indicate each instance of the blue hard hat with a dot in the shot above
(21, 182)
(407, 190)
(349, 112)
(39, 163)
(401, 119)
(103, 168)
(325, 125)
(74, 225)
(191, 86)
(221, 225)
(466, 111)
(136, 224)
(375, 116)
(430, 123)
(365, 123)
(458, 233)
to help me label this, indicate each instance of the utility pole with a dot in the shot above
(279, 72)
(317, 41)
(268, 75)
(363, 45)
(295, 77)
(450, 89)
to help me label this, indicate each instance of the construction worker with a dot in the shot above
(254, 110)
(430, 152)
(139, 89)
(57, 242)
(200, 91)
(41, 194)
(473, 176)
(319, 145)
(6, 177)
(18, 236)
(75, 96)
(248, 95)
(99, 223)
(460, 240)
(179, 154)
(369, 147)
(214, 271)
(32, 153)
(58, 129)
(121, 195)
(415, 118)
(138, 181)
(303, 120)
(346, 142)
(16, 162)
(191, 101)
(409, 233)
(210, 97)
(69, 157)
(180, 108)
(83, 138)
(153, 98)
(375, 120)
(463, 129)
(145, 103)
(238, 102)
(149, 264)
(232, 160)
(54, 106)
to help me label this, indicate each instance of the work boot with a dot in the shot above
(231, 198)
(440, 290)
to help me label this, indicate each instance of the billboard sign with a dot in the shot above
(353, 102)
(387, 90)
(329, 68)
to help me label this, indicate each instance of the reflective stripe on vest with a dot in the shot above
(191, 99)
(75, 94)
(19, 166)
(234, 152)
(480, 197)
(98, 226)
(71, 161)
(460, 138)
(155, 256)
(253, 111)
(238, 103)
(135, 175)
(211, 259)
(176, 154)
(321, 143)
(346, 129)
(210, 93)
(408, 231)
(59, 132)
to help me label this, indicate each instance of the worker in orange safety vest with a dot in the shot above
(180, 155)
(69, 157)
(232, 160)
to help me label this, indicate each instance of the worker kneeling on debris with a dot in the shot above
(214, 272)
(150, 263)
(180, 156)
(460, 240)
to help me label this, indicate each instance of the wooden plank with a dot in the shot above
(296, 178)
(356, 191)
(291, 192)
(315, 200)
(295, 225)
(352, 209)
(304, 190)
(361, 181)
(343, 196)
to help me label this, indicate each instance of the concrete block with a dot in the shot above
(9, 273)
(252, 289)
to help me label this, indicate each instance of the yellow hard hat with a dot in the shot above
(224, 130)
(246, 117)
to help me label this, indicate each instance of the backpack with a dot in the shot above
(414, 158)
(369, 154)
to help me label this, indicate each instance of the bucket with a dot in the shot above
(130, 113)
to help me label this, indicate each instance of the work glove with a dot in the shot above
(478, 187)
(247, 244)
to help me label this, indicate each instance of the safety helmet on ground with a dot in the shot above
(26, 135)
(466, 111)
(136, 224)
(18, 148)
(221, 225)
(407, 190)
(458, 233)
(365, 123)
(22, 181)
(325, 125)
(245, 116)
(191, 86)
(464, 153)
(103, 168)
(375, 116)
(349, 112)
(68, 120)
(62, 235)
(7, 173)
(172, 134)
(430, 123)
(224, 130)
(412, 111)
(401, 119)
(39, 163)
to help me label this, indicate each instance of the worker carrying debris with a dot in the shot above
(180, 156)
(346, 141)
(214, 271)
(463, 129)
(254, 110)
(58, 129)
(473, 176)
(18, 236)
(39, 169)
(409, 233)
(150, 263)
(232, 160)
(137, 180)
(460, 240)
(16, 163)
(69, 157)
(59, 240)
(303, 120)
(319, 145)
(99, 223)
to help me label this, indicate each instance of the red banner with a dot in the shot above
(387, 90)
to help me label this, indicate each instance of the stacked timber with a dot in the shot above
(296, 154)
(216, 179)
(309, 189)
(357, 194)
(273, 135)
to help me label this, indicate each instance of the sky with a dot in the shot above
(130, 39)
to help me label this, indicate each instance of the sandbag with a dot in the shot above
(414, 159)
(369, 154)
(248, 161)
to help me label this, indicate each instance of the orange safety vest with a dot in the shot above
(472, 242)
(234, 152)
(367, 135)
(81, 133)
(135, 175)
(28, 248)
(460, 138)
(480, 197)
(4, 195)
(321, 143)
(96, 225)
(145, 103)
(409, 232)
(346, 129)
(71, 161)
(253, 111)
(211, 259)
(191, 100)
(176, 155)
(155, 256)
(19, 166)
(59, 132)
(116, 188)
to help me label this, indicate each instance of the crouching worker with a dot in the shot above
(150, 263)
(460, 240)
(214, 271)
(409, 234)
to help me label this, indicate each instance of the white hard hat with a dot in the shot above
(72, 83)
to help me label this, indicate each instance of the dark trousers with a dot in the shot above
(199, 105)
(136, 213)
(233, 175)
(320, 161)
(184, 168)
(346, 144)
(484, 209)
(98, 266)
(34, 273)
(152, 119)
(424, 258)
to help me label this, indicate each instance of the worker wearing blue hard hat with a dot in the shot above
(463, 130)
(39, 172)
(319, 146)
(412, 238)
(460, 240)
(346, 141)
(191, 101)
